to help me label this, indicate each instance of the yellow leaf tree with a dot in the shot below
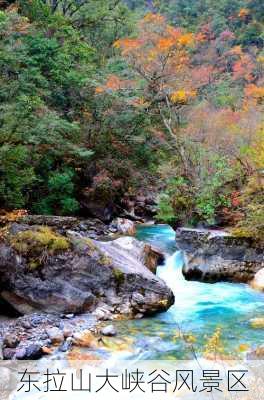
(159, 55)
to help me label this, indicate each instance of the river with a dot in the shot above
(199, 311)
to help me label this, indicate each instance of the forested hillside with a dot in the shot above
(105, 101)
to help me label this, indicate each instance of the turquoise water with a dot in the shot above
(198, 311)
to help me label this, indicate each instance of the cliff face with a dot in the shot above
(213, 256)
(41, 270)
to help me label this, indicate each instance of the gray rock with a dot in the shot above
(56, 335)
(213, 256)
(138, 298)
(26, 324)
(34, 342)
(32, 351)
(109, 330)
(72, 281)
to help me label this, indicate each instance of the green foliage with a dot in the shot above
(224, 94)
(198, 198)
(165, 210)
(59, 196)
(43, 72)
(16, 175)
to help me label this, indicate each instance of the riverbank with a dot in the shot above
(62, 272)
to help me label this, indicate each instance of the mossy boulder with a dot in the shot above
(43, 270)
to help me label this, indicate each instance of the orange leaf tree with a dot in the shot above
(159, 58)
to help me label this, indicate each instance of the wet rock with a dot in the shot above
(213, 256)
(153, 257)
(56, 335)
(108, 330)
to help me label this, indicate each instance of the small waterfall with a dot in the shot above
(172, 269)
(199, 308)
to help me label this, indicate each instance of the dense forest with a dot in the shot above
(102, 101)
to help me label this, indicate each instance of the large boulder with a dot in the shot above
(213, 256)
(41, 270)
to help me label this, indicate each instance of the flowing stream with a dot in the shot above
(199, 310)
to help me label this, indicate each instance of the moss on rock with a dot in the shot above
(38, 244)
(105, 260)
(119, 276)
